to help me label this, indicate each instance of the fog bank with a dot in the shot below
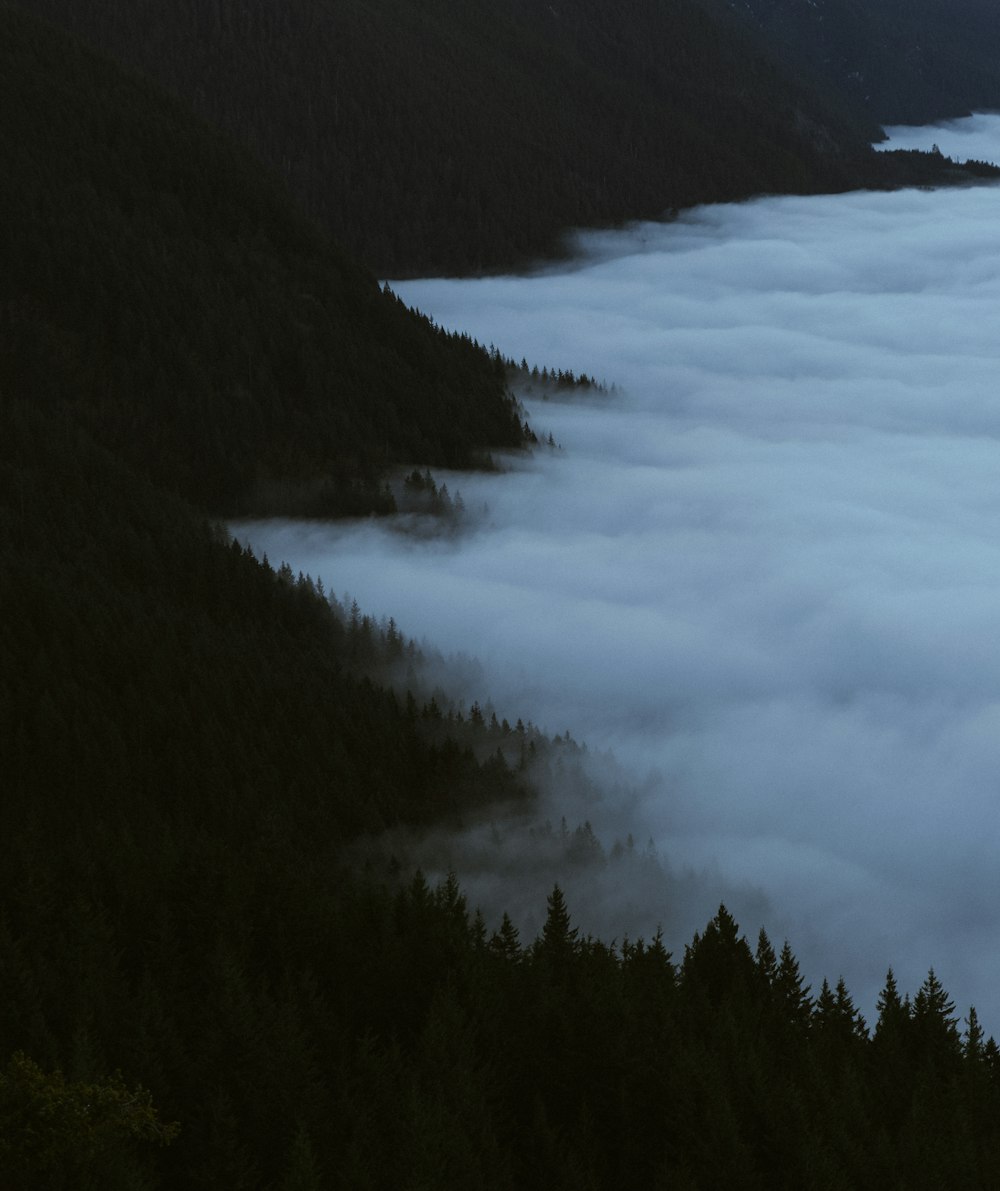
(766, 572)
(973, 138)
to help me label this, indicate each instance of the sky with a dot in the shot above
(764, 570)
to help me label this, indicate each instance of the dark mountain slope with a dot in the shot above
(151, 672)
(901, 61)
(154, 282)
(187, 739)
(463, 134)
(149, 667)
(187, 742)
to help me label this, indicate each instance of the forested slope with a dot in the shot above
(187, 738)
(900, 61)
(163, 291)
(462, 135)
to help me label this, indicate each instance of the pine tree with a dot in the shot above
(504, 941)
(766, 960)
(558, 940)
(892, 1055)
(792, 995)
(935, 1026)
(893, 1013)
(718, 965)
(973, 1038)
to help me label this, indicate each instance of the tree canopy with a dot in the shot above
(468, 135)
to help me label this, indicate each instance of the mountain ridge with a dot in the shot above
(899, 63)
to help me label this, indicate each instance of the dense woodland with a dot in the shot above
(465, 135)
(159, 288)
(201, 986)
(902, 61)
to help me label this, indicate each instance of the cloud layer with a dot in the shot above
(767, 569)
(973, 138)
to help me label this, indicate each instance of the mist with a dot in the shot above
(972, 138)
(763, 571)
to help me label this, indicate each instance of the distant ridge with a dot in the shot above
(899, 63)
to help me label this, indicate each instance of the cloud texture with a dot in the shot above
(767, 570)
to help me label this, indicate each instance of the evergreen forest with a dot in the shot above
(903, 63)
(458, 136)
(201, 985)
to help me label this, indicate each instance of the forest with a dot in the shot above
(903, 63)
(466, 135)
(200, 986)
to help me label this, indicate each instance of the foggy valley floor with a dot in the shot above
(764, 572)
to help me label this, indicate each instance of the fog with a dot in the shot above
(973, 138)
(764, 571)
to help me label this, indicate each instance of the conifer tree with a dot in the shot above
(558, 940)
(973, 1040)
(791, 993)
(504, 941)
(934, 1024)
(718, 965)
(766, 959)
(893, 1013)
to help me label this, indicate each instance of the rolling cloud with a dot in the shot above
(766, 571)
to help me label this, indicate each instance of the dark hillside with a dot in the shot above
(463, 134)
(189, 739)
(900, 61)
(148, 666)
(165, 292)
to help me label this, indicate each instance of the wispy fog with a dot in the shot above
(971, 139)
(767, 570)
